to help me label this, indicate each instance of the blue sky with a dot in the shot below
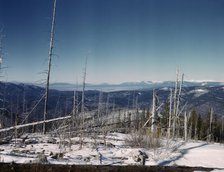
(125, 40)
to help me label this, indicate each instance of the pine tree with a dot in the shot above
(199, 127)
(194, 120)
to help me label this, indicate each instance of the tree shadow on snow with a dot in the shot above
(182, 153)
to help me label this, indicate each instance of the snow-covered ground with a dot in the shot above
(201, 154)
(193, 154)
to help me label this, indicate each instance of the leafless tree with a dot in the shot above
(49, 65)
(210, 125)
(83, 105)
(170, 114)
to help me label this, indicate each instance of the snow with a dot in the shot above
(201, 90)
(200, 81)
(200, 154)
(198, 92)
(165, 88)
(192, 154)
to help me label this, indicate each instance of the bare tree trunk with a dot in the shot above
(153, 112)
(83, 105)
(16, 131)
(133, 100)
(1, 60)
(99, 107)
(185, 126)
(1, 49)
(136, 103)
(49, 66)
(69, 136)
(179, 94)
(170, 113)
(175, 104)
(195, 129)
(210, 126)
(222, 129)
(107, 105)
(24, 107)
(190, 130)
(75, 107)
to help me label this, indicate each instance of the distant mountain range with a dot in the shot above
(20, 99)
(144, 85)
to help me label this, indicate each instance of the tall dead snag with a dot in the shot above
(75, 107)
(153, 112)
(178, 112)
(222, 129)
(107, 105)
(83, 105)
(99, 110)
(170, 114)
(185, 126)
(106, 121)
(73, 117)
(196, 128)
(175, 103)
(49, 66)
(1, 59)
(210, 125)
(1, 51)
(179, 95)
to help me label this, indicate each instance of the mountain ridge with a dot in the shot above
(142, 85)
(19, 99)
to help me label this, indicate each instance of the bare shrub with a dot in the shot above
(141, 139)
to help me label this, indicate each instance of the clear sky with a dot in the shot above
(125, 40)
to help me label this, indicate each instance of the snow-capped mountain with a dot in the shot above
(143, 85)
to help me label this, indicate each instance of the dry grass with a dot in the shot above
(141, 139)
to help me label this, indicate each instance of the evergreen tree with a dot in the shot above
(194, 121)
(199, 127)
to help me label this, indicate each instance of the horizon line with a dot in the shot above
(109, 83)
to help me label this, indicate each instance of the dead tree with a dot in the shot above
(196, 129)
(153, 112)
(24, 106)
(50, 53)
(170, 114)
(222, 130)
(175, 103)
(178, 112)
(83, 105)
(107, 105)
(99, 110)
(1, 60)
(75, 107)
(179, 95)
(1, 49)
(210, 125)
(185, 126)
(106, 129)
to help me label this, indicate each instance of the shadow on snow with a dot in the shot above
(182, 153)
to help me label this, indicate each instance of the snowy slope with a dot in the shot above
(193, 154)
